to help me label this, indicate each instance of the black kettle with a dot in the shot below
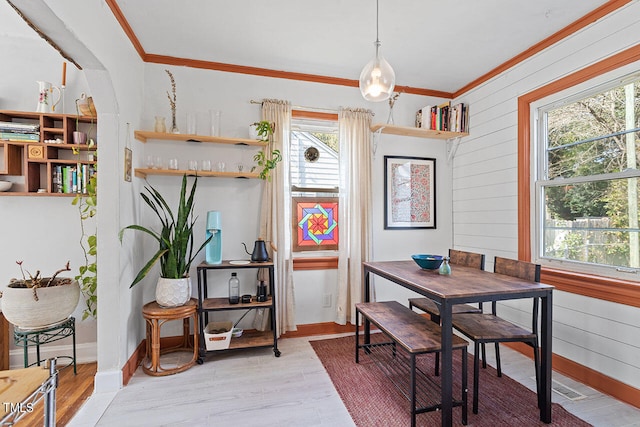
(259, 251)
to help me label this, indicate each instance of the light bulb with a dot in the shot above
(375, 90)
(377, 79)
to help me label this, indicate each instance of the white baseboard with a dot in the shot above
(107, 382)
(85, 353)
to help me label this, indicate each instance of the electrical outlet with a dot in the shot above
(326, 300)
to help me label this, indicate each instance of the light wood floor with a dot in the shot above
(253, 388)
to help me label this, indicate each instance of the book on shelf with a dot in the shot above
(418, 119)
(459, 117)
(426, 117)
(19, 136)
(18, 127)
(445, 117)
(72, 179)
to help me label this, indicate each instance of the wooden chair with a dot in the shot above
(484, 328)
(467, 259)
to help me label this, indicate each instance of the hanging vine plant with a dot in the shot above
(87, 276)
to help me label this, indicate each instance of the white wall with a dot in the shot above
(593, 333)
(42, 232)
(115, 82)
(111, 74)
(239, 200)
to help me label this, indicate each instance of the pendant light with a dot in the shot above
(377, 79)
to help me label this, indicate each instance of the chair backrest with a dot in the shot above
(515, 268)
(523, 270)
(468, 259)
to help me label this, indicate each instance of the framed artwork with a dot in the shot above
(315, 223)
(409, 192)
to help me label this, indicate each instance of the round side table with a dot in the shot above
(155, 316)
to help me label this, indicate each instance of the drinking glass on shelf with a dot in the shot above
(240, 167)
(157, 162)
(215, 122)
(173, 163)
(193, 165)
(149, 162)
(206, 165)
(160, 125)
(221, 166)
(191, 123)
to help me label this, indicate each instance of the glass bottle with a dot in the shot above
(234, 289)
(160, 125)
(445, 268)
(261, 293)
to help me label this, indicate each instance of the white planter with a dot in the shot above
(173, 292)
(253, 132)
(55, 304)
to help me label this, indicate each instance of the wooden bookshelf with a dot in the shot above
(144, 172)
(143, 136)
(416, 132)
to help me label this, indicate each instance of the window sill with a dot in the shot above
(316, 263)
(604, 288)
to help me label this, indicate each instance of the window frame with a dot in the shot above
(320, 259)
(539, 109)
(625, 292)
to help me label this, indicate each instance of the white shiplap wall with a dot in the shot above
(597, 334)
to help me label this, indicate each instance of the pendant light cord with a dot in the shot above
(377, 23)
(377, 43)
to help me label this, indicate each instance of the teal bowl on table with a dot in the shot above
(428, 262)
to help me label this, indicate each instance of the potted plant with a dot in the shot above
(35, 301)
(175, 245)
(265, 129)
(262, 130)
(267, 163)
(87, 277)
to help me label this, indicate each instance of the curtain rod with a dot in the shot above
(311, 109)
(300, 107)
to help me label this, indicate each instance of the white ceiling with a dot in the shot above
(431, 44)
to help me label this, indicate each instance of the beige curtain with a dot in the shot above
(275, 216)
(355, 208)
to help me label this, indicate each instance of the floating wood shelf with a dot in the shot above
(417, 132)
(143, 135)
(143, 173)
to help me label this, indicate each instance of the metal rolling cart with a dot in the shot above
(206, 305)
(22, 389)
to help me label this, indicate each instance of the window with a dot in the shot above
(315, 180)
(587, 186)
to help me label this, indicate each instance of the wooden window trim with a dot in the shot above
(316, 263)
(316, 115)
(599, 287)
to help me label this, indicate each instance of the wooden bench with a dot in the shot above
(415, 335)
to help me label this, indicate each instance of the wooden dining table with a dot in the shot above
(467, 285)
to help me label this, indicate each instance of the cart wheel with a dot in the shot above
(277, 353)
(200, 361)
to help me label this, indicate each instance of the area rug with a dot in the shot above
(372, 400)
